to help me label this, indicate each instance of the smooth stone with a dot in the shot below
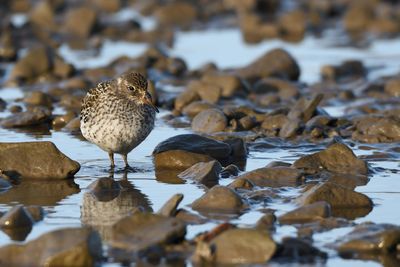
(73, 247)
(285, 89)
(304, 109)
(186, 97)
(230, 170)
(140, 231)
(16, 217)
(274, 177)
(392, 87)
(38, 98)
(196, 107)
(208, 92)
(36, 212)
(377, 129)
(209, 121)
(229, 84)
(176, 14)
(243, 246)
(300, 251)
(23, 159)
(80, 21)
(241, 183)
(219, 199)
(37, 116)
(206, 173)
(336, 195)
(307, 213)
(336, 158)
(290, 128)
(170, 207)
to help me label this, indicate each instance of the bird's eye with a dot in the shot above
(131, 88)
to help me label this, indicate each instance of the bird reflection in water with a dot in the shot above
(108, 200)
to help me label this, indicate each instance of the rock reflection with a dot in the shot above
(41, 193)
(109, 200)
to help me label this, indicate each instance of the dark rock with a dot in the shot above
(3, 104)
(176, 14)
(196, 107)
(336, 195)
(299, 251)
(336, 158)
(275, 63)
(36, 160)
(36, 212)
(285, 89)
(230, 170)
(170, 207)
(376, 129)
(370, 238)
(80, 21)
(17, 217)
(64, 247)
(35, 116)
(307, 213)
(348, 70)
(209, 121)
(206, 173)
(219, 199)
(140, 231)
(240, 246)
(274, 177)
(229, 84)
(4, 185)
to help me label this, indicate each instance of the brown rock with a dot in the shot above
(107, 5)
(304, 109)
(80, 21)
(36, 160)
(285, 89)
(209, 121)
(186, 97)
(35, 116)
(17, 217)
(299, 251)
(207, 91)
(336, 158)
(290, 128)
(292, 25)
(229, 84)
(206, 173)
(275, 63)
(38, 98)
(196, 107)
(307, 213)
(242, 183)
(274, 122)
(274, 177)
(176, 14)
(219, 199)
(375, 129)
(392, 87)
(170, 207)
(64, 247)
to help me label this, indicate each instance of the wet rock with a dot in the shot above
(24, 159)
(285, 89)
(4, 184)
(64, 247)
(370, 238)
(35, 116)
(241, 183)
(230, 170)
(307, 213)
(376, 129)
(291, 128)
(348, 70)
(17, 217)
(176, 14)
(140, 231)
(292, 25)
(36, 212)
(275, 63)
(209, 121)
(229, 84)
(241, 246)
(266, 222)
(336, 158)
(219, 199)
(80, 21)
(189, 217)
(196, 107)
(8, 51)
(357, 17)
(35, 63)
(39, 99)
(274, 177)
(60, 121)
(73, 125)
(274, 122)
(107, 5)
(62, 69)
(348, 180)
(336, 195)
(207, 91)
(3, 104)
(392, 87)
(304, 109)
(170, 207)
(51, 192)
(254, 30)
(299, 251)
(186, 97)
(206, 173)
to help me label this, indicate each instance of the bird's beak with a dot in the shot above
(149, 101)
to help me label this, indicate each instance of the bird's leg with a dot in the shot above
(111, 156)
(125, 157)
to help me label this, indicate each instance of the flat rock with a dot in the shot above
(219, 199)
(243, 246)
(209, 121)
(206, 173)
(143, 230)
(36, 160)
(275, 63)
(307, 213)
(336, 195)
(370, 238)
(336, 158)
(63, 247)
(274, 177)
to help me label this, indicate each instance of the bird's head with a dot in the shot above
(134, 85)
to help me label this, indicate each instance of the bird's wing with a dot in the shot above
(91, 98)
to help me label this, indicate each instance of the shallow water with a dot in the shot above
(198, 48)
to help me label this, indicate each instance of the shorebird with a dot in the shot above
(117, 115)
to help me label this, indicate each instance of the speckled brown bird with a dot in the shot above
(117, 115)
